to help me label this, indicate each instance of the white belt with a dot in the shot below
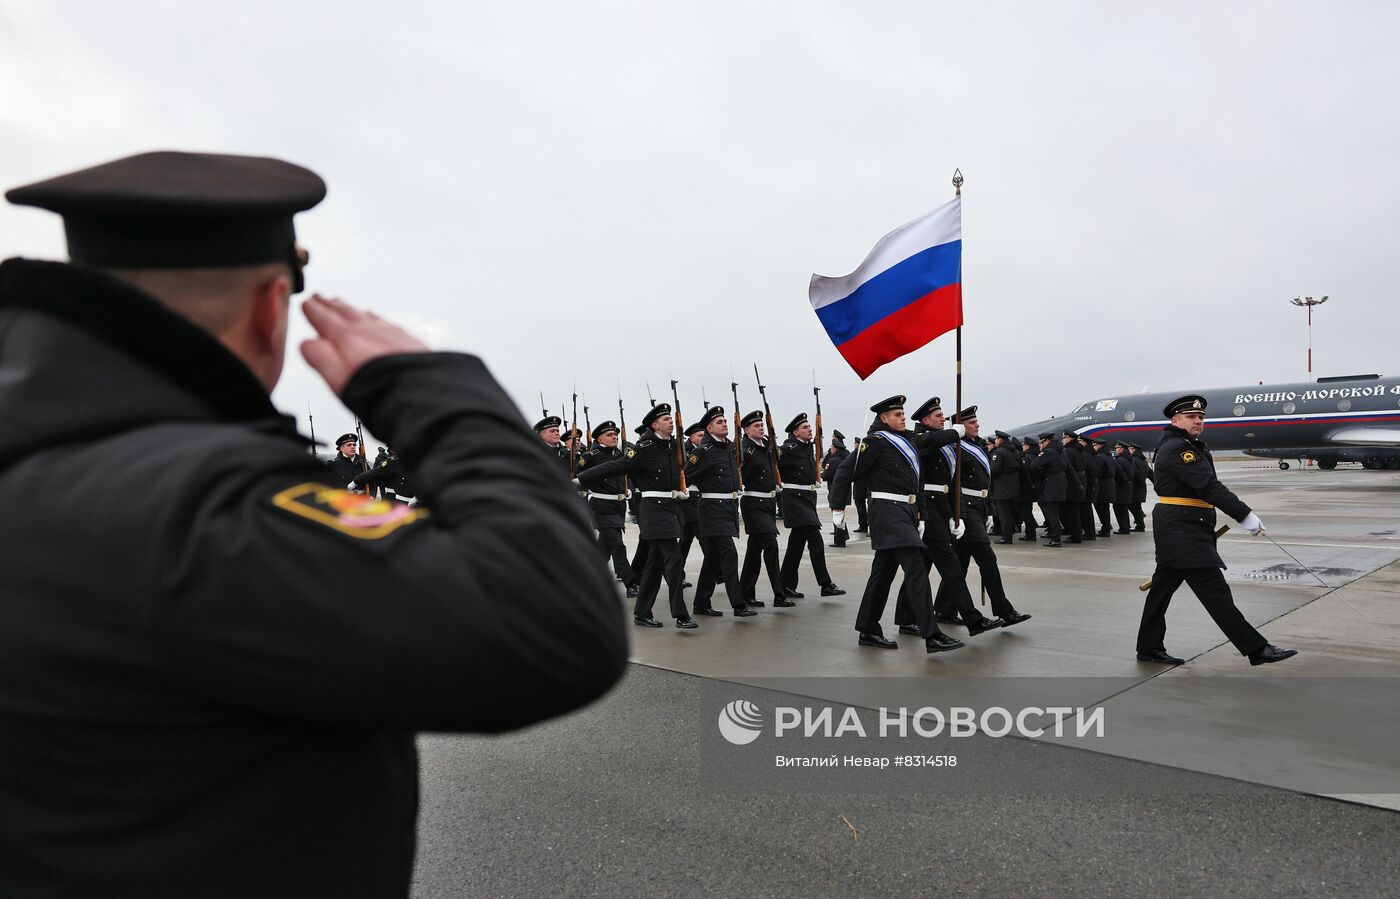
(719, 496)
(620, 497)
(661, 494)
(809, 487)
(769, 495)
(907, 498)
(978, 493)
(936, 488)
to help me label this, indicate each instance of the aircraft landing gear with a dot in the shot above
(1371, 464)
(1327, 464)
(1392, 463)
(1283, 465)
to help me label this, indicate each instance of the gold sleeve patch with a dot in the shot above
(582, 461)
(353, 514)
(631, 452)
(1188, 457)
(693, 458)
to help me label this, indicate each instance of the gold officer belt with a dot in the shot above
(1185, 501)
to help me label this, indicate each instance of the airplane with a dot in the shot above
(1353, 418)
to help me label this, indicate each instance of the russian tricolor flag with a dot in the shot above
(906, 292)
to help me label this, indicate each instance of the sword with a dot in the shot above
(1147, 584)
(1265, 535)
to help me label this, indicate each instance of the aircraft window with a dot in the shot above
(1083, 408)
(1129, 416)
(1289, 408)
(1344, 405)
(1238, 410)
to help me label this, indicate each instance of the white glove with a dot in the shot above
(921, 529)
(958, 429)
(629, 492)
(958, 528)
(838, 518)
(1252, 524)
(989, 522)
(576, 483)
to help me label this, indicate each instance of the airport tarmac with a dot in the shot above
(1212, 777)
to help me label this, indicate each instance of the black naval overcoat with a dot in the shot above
(709, 468)
(882, 466)
(390, 474)
(834, 457)
(1030, 484)
(1090, 473)
(650, 463)
(1074, 472)
(838, 486)
(760, 512)
(1108, 483)
(1142, 473)
(341, 470)
(1184, 536)
(797, 464)
(212, 663)
(935, 471)
(1006, 472)
(1052, 468)
(1124, 471)
(608, 512)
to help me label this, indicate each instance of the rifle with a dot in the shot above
(650, 399)
(544, 412)
(678, 434)
(817, 446)
(587, 425)
(622, 439)
(704, 403)
(772, 431)
(315, 455)
(738, 436)
(573, 437)
(364, 454)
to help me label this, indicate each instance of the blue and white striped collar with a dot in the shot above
(901, 444)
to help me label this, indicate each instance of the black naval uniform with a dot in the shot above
(1123, 473)
(710, 473)
(1070, 516)
(1091, 491)
(608, 503)
(1006, 489)
(342, 470)
(213, 663)
(1183, 533)
(651, 465)
(1025, 501)
(896, 499)
(1052, 470)
(835, 455)
(1108, 489)
(936, 478)
(759, 509)
(974, 543)
(390, 476)
(798, 466)
(1142, 473)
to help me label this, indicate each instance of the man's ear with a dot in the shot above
(269, 313)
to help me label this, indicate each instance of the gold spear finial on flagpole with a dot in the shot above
(957, 182)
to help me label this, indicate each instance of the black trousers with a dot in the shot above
(1120, 511)
(690, 532)
(1086, 520)
(860, 497)
(663, 561)
(761, 549)
(1214, 593)
(1027, 517)
(1051, 513)
(811, 538)
(1069, 520)
(1105, 518)
(610, 542)
(944, 602)
(877, 590)
(952, 585)
(1008, 522)
(1138, 516)
(721, 563)
(639, 558)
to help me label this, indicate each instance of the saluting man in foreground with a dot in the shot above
(213, 662)
(1183, 532)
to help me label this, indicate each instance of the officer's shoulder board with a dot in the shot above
(356, 515)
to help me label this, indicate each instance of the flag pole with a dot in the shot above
(957, 414)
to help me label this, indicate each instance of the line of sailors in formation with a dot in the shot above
(901, 480)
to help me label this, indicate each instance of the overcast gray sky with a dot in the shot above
(630, 192)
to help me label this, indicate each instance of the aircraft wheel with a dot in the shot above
(1370, 464)
(1327, 464)
(1283, 466)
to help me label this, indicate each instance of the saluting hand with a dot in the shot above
(348, 338)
